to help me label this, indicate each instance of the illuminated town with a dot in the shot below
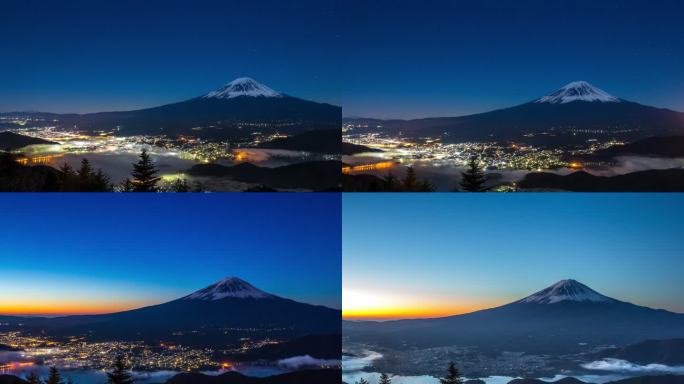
(491, 155)
(183, 147)
(77, 353)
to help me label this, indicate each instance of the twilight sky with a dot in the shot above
(88, 253)
(407, 59)
(408, 256)
(89, 56)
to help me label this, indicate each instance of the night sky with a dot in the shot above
(408, 256)
(89, 56)
(410, 59)
(85, 253)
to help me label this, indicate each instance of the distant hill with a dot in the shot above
(667, 352)
(655, 180)
(668, 146)
(661, 379)
(353, 149)
(317, 346)
(322, 141)
(664, 379)
(320, 376)
(313, 175)
(566, 380)
(10, 379)
(10, 141)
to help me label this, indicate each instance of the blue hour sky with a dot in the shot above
(410, 256)
(86, 56)
(406, 59)
(82, 253)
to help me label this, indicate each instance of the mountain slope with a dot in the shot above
(553, 320)
(202, 318)
(574, 108)
(242, 106)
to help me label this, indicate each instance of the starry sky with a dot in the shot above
(409, 59)
(92, 253)
(407, 256)
(91, 56)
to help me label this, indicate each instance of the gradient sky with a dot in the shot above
(87, 56)
(409, 256)
(100, 253)
(411, 58)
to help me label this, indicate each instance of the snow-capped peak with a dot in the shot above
(229, 287)
(243, 86)
(578, 91)
(566, 290)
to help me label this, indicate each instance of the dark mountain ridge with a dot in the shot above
(198, 319)
(242, 104)
(561, 325)
(563, 114)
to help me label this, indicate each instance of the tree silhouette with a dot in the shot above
(54, 377)
(33, 378)
(119, 375)
(453, 375)
(362, 381)
(390, 183)
(384, 379)
(473, 178)
(144, 174)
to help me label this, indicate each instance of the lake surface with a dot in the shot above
(353, 371)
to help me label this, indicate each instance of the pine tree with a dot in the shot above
(33, 378)
(410, 182)
(453, 375)
(54, 377)
(362, 381)
(119, 375)
(178, 185)
(384, 379)
(473, 178)
(390, 183)
(144, 173)
(86, 171)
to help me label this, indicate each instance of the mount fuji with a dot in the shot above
(565, 317)
(570, 114)
(239, 107)
(218, 314)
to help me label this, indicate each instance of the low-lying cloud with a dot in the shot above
(297, 362)
(617, 365)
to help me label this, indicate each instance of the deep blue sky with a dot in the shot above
(463, 252)
(132, 250)
(444, 58)
(85, 56)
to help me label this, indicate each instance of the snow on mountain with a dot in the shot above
(566, 290)
(229, 287)
(243, 86)
(578, 91)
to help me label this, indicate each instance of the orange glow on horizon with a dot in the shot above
(407, 312)
(373, 304)
(18, 308)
